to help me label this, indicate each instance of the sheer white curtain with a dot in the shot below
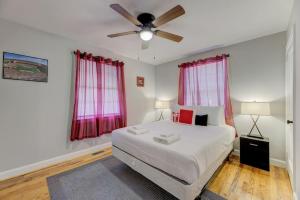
(89, 91)
(110, 87)
(205, 84)
(99, 99)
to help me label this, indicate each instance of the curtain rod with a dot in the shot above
(110, 60)
(82, 54)
(85, 53)
(226, 55)
(75, 52)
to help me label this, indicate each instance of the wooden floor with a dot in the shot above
(234, 181)
(237, 181)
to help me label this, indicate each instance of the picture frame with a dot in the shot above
(25, 68)
(140, 81)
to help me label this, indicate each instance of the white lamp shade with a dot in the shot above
(255, 108)
(162, 104)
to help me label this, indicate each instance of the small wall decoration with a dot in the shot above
(140, 81)
(26, 68)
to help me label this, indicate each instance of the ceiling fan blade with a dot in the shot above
(169, 15)
(169, 36)
(125, 14)
(145, 44)
(121, 34)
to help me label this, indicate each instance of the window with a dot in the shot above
(99, 99)
(91, 91)
(205, 85)
(205, 82)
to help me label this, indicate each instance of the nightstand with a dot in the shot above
(255, 152)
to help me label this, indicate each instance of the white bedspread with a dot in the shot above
(185, 159)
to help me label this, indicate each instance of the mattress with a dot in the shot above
(186, 159)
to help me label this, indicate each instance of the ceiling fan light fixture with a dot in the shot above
(146, 35)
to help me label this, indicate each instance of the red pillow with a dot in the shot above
(186, 116)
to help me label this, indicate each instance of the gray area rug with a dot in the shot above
(109, 179)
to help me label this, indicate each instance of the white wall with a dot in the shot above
(257, 72)
(297, 99)
(35, 117)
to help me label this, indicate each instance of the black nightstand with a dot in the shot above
(255, 152)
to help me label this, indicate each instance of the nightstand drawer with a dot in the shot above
(249, 143)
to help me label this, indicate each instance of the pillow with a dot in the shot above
(201, 120)
(215, 114)
(177, 109)
(186, 116)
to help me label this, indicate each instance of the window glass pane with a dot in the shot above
(204, 85)
(88, 91)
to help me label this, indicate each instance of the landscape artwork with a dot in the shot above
(27, 68)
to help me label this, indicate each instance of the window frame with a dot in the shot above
(113, 87)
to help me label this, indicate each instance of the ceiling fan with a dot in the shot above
(146, 22)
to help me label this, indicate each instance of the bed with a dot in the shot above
(182, 168)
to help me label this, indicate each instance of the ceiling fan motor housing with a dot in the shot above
(146, 19)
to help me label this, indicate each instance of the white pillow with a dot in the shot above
(216, 115)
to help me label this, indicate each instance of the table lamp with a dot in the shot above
(255, 109)
(162, 105)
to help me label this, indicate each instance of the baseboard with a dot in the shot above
(45, 163)
(295, 196)
(273, 161)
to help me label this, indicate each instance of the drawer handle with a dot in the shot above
(252, 144)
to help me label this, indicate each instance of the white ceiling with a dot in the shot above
(206, 24)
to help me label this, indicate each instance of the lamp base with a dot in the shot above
(255, 125)
(161, 117)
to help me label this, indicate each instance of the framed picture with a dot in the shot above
(140, 81)
(26, 68)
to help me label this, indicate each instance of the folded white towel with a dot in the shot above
(166, 134)
(137, 131)
(167, 140)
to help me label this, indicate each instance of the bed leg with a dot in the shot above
(228, 156)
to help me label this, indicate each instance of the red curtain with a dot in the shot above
(205, 82)
(100, 103)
